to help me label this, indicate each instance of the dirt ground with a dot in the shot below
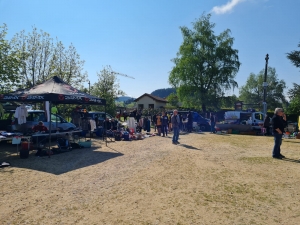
(207, 179)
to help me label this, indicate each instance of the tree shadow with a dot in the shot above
(189, 147)
(61, 163)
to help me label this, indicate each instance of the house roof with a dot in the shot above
(156, 98)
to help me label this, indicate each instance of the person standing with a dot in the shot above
(175, 126)
(154, 122)
(125, 115)
(158, 123)
(267, 123)
(54, 110)
(279, 122)
(170, 122)
(164, 124)
(190, 122)
(212, 123)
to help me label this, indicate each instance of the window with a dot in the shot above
(151, 106)
(140, 106)
(36, 116)
(55, 118)
(258, 116)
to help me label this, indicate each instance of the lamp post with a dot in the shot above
(265, 85)
(89, 87)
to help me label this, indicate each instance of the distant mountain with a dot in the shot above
(164, 92)
(123, 98)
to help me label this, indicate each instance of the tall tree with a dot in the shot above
(173, 101)
(252, 91)
(205, 66)
(9, 63)
(294, 95)
(294, 57)
(42, 58)
(107, 87)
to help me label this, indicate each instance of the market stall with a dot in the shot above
(55, 91)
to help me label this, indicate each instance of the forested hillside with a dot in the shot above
(164, 92)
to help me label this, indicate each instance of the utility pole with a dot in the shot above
(89, 87)
(265, 85)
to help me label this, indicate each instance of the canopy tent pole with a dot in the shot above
(50, 127)
(104, 133)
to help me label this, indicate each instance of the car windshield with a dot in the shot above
(55, 118)
(36, 116)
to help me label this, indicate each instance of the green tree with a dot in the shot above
(252, 92)
(294, 95)
(172, 101)
(228, 101)
(205, 66)
(294, 57)
(43, 58)
(9, 63)
(107, 87)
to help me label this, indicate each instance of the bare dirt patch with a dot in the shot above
(207, 179)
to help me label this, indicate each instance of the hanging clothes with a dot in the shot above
(141, 123)
(93, 125)
(21, 114)
(131, 123)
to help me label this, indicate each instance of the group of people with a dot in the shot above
(163, 123)
(136, 114)
(167, 122)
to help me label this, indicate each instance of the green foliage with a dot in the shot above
(205, 66)
(9, 63)
(164, 92)
(172, 101)
(131, 105)
(252, 91)
(42, 58)
(294, 95)
(228, 101)
(106, 87)
(294, 57)
(294, 106)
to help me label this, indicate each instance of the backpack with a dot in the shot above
(118, 136)
(126, 136)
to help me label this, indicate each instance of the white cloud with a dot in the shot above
(227, 7)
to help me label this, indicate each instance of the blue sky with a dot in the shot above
(140, 37)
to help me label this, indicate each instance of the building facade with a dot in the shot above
(147, 101)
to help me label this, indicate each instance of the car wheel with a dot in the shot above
(203, 127)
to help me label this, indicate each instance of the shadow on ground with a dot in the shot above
(189, 147)
(57, 164)
(291, 160)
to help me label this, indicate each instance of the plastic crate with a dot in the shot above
(85, 144)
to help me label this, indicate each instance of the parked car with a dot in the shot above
(34, 116)
(100, 116)
(202, 122)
